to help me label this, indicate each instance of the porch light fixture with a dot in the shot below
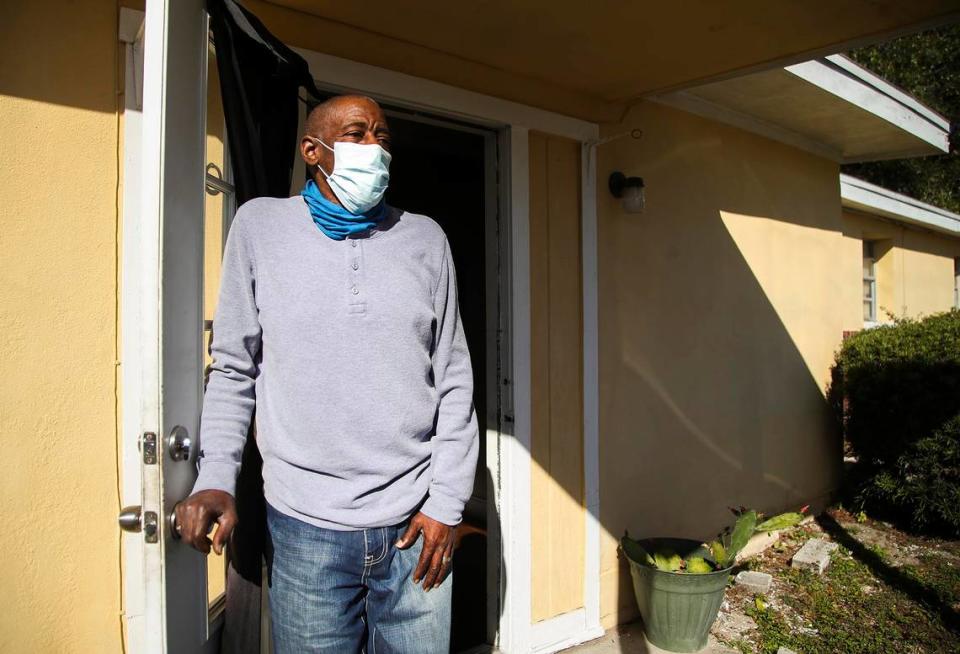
(629, 190)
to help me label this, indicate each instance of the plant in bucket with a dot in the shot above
(679, 583)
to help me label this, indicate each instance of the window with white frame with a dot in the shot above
(956, 282)
(869, 283)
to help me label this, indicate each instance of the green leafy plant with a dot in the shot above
(924, 484)
(697, 565)
(782, 521)
(718, 554)
(895, 391)
(895, 385)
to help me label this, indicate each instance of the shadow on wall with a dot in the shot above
(720, 308)
(78, 71)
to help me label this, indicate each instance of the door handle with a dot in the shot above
(133, 519)
(173, 524)
(179, 443)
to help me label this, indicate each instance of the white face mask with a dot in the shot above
(360, 174)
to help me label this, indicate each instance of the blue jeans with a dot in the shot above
(351, 591)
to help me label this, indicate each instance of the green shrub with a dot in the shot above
(894, 385)
(924, 485)
(896, 391)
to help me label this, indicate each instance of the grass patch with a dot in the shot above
(741, 645)
(899, 597)
(849, 610)
(940, 575)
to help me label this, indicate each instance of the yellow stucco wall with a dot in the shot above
(720, 308)
(914, 268)
(60, 569)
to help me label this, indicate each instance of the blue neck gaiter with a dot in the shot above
(335, 221)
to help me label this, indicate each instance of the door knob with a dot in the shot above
(130, 519)
(133, 519)
(173, 524)
(178, 443)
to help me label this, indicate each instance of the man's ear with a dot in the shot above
(309, 151)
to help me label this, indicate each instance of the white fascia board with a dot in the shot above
(885, 87)
(870, 93)
(870, 198)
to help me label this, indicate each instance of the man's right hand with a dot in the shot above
(197, 514)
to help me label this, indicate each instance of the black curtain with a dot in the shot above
(260, 82)
(260, 79)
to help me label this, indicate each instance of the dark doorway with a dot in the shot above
(439, 172)
(442, 170)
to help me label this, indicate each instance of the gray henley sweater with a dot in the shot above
(354, 355)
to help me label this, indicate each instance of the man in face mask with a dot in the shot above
(338, 321)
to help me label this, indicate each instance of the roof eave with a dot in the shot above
(912, 129)
(856, 85)
(870, 198)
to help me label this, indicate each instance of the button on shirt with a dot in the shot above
(354, 356)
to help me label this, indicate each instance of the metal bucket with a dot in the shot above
(678, 608)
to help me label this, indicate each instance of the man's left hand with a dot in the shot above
(437, 555)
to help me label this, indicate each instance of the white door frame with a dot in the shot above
(517, 633)
(131, 35)
(513, 498)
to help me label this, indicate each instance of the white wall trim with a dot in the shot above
(562, 631)
(591, 386)
(515, 460)
(870, 198)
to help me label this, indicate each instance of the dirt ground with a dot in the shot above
(885, 591)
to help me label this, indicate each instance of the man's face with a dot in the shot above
(351, 119)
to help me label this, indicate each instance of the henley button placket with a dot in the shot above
(356, 305)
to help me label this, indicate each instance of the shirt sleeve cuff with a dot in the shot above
(443, 509)
(217, 475)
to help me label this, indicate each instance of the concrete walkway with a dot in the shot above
(629, 639)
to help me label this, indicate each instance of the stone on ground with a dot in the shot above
(814, 555)
(755, 582)
(784, 650)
